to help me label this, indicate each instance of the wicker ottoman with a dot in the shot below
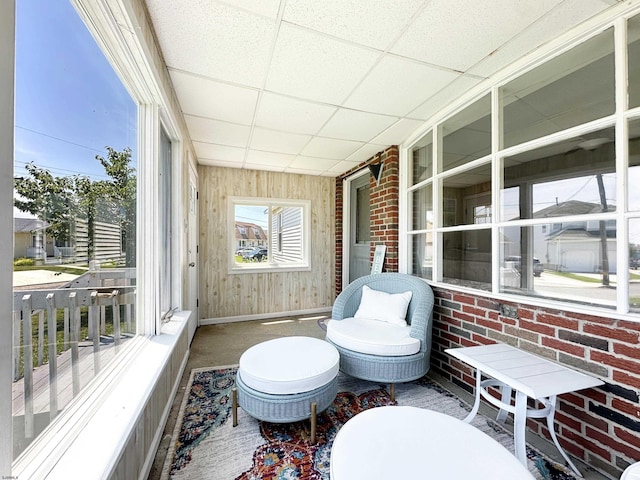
(286, 380)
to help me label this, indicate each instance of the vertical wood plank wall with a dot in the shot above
(224, 295)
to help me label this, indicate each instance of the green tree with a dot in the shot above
(49, 198)
(116, 198)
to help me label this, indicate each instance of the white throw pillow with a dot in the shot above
(383, 306)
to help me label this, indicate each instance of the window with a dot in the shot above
(279, 231)
(75, 173)
(541, 211)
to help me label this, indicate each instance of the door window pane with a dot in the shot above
(463, 193)
(573, 88)
(466, 136)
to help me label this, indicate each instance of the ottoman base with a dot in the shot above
(287, 408)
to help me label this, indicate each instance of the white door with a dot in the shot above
(192, 252)
(359, 224)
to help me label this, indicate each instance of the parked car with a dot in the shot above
(634, 263)
(255, 255)
(241, 251)
(537, 266)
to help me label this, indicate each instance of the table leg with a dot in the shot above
(506, 399)
(476, 405)
(552, 431)
(313, 422)
(234, 406)
(519, 427)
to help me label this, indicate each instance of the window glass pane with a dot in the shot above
(75, 216)
(467, 258)
(269, 234)
(634, 265)
(363, 222)
(634, 165)
(466, 136)
(570, 261)
(571, 89)
(572, 177)
(633, 35)
(422, 202)
(422, 255)
(422, 159)
(467, 197)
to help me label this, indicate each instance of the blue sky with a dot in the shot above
(70, 104)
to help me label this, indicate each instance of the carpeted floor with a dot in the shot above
(205, 445)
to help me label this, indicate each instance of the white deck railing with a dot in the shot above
(106, 298)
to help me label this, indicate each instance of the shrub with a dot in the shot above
(23, 262)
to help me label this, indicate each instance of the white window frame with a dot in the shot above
(269, 265)
(616, 18)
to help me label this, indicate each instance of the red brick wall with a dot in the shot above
(384, 210)
(600, 425)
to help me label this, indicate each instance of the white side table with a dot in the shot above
(530, 376)
(632, 472)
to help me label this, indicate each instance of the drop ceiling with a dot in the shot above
(318, 86)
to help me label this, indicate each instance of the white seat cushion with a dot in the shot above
(373, 337)
(289, 365)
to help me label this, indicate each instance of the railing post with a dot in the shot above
(15, 351)
(53, 371)
(40, 337)
(66, 329)
(115, 314)
(28, 367)
(94, 320)
(74, 312)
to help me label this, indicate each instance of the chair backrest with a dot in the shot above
(419, 314)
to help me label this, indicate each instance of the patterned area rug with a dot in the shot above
(206, 446)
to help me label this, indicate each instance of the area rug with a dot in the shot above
(205, 445)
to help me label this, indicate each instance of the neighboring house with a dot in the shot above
(29, 238)
(250, 235)
(32, 241)
(574, 246)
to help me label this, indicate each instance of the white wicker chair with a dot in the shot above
(388, 369)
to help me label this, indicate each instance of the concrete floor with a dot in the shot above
(220, 345)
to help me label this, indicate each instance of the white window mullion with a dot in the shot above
(7, 63)
(148, 248)
(622, 155)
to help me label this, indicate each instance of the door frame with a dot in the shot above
(194, 319)
(347, 220)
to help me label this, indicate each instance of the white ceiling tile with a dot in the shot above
(365, 152)
(213, 39)
(396, 86)
(312, 66)
(555, 23)
(288, 114)
(398, 132)
(219, 163)
(330, 148)
(343, 166)
(266, 8)
(256, 157)
(275, 141)
(219, 152)
(459, 33)
(447, 96)
(311, 163)
(374, 24)
(214, 131)
(355, 125)
(207, 98)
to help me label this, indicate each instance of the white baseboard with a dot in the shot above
(262, 316)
